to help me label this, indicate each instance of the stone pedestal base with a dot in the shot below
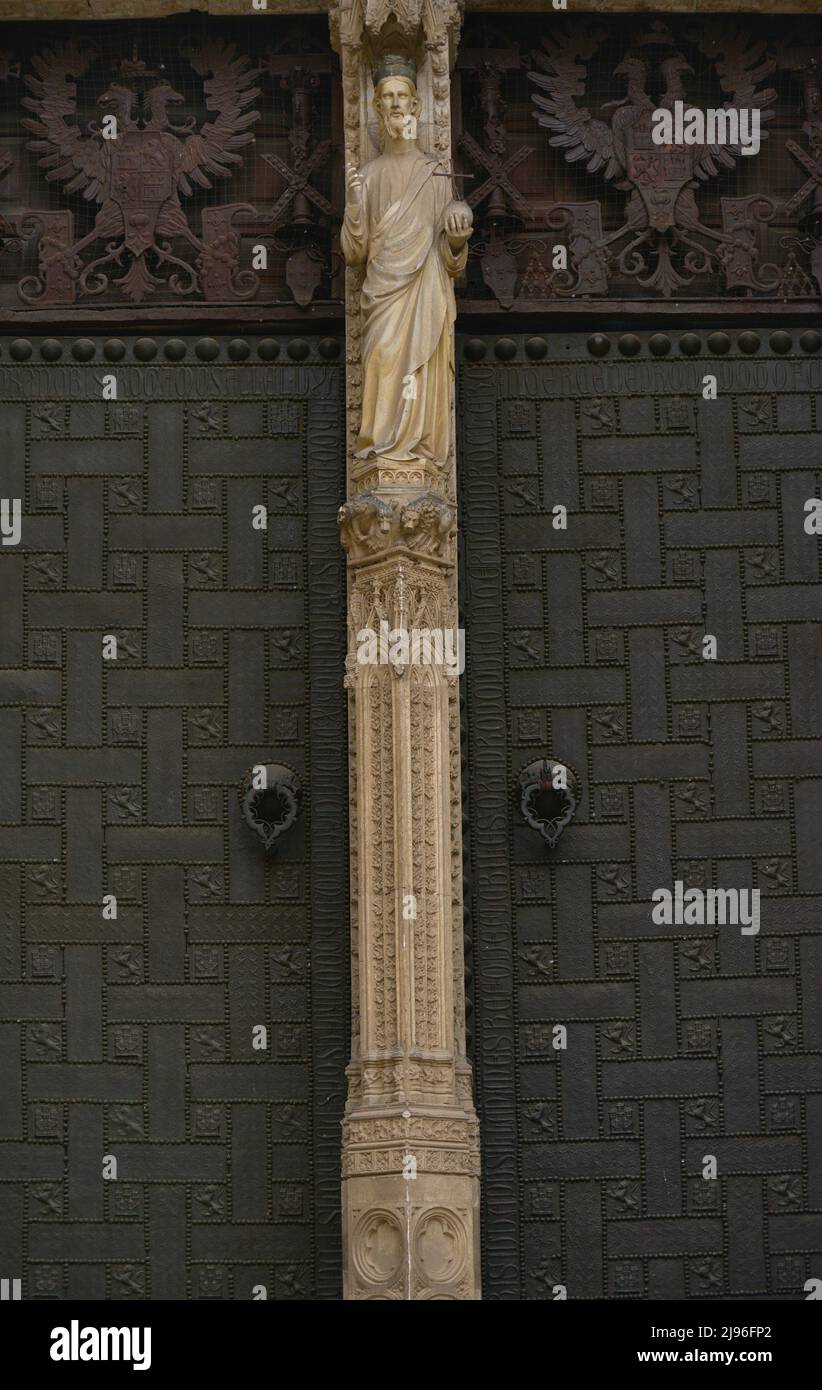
(411, 1238)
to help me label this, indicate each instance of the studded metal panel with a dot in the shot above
(132, 1038)
(685, 518)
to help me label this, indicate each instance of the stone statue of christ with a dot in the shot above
(402, 223)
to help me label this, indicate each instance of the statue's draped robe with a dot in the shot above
(407, 305)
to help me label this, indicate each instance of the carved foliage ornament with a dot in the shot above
(137, 179)
(662, 242)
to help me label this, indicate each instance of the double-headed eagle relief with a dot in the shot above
(663, 241)
(136, 169)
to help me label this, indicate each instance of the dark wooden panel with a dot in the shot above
(133, 1037)
(585, 645)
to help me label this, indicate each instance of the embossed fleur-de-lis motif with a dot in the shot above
(537, 958)
(785, 1192)
(620, 1036)
(700, 954)
(523, 491)
(682, 488)
(124, 492)
(614, 879)
(692, 795)
(625, 1194)
(781, 1029)
(610, 719)
(605, 566)
(688, 640)
(45, 723)
(521, 642)
(51, 416)
(44, 882)
(284, 492)
(758, 411)
(763, 563)
(777, 871)
(205, 568)
(704, 1113)
(708, 1272)
(205, 725)
(47, 569)
(209, 417)
(207, 882)
(770, 715)
(542, 1117)
(126, 802)
(289, 961)
(287, 644)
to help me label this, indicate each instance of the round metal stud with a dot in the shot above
(238, 349)
(810, 340)
(51, 350)
(689, 344)
(299, 349)
(329, 349)
(719, 344)
(749, 342)
(659, 345)
(475, 349)
(207, 349)
(175, 349)
(145, 349)
(505, 349)
(20, 350)
(268, 349)
(83, 349)
(536, 349)
(629, 345)
(599, 345)
(114, 349)
(780, 341)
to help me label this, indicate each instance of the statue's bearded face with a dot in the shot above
(396, 101)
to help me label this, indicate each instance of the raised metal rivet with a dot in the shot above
(114, 349)
(689, 344)
(175, 349)
(51, 350)
(268, 349)
(749, 342)
(21, 350)
(659, 344)
(781, 341)
(207, 349)
(475, 349)
(329, 349)
(238, 349)
(599, 345)
(145, 349)
(536, 349)
(83, 349)
(719, 344)
(810, 340)
(505, 349)
(629, 345)
(298, 349)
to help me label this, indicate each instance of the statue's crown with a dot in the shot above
(395, 65)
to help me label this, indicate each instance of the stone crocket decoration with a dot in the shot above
(402, 224)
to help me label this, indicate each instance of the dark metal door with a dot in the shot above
(132, 1037)
(686, 518)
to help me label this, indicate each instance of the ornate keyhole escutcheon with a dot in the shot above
(271, 803)
(547, 794)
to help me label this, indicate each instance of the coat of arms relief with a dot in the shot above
(137, 171)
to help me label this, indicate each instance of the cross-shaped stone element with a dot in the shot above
(498, 170)
(813, 167)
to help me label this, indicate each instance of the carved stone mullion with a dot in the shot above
(410, 1137)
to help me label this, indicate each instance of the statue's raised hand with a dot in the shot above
(353, 186)
(458, 221)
